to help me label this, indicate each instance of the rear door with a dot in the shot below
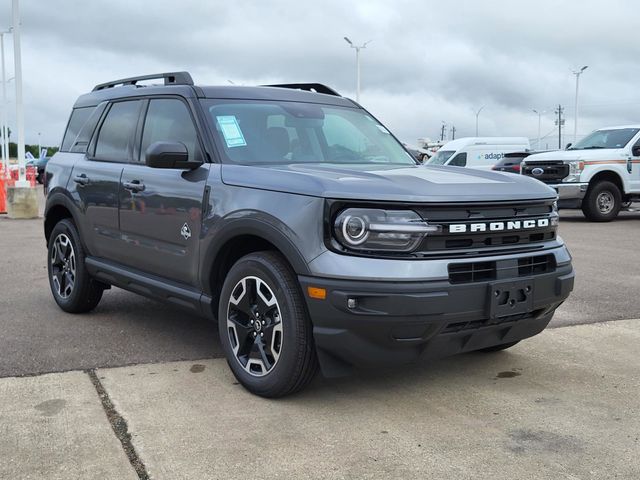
(161, 209)
(95, 180)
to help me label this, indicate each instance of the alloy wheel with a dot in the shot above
(63, 266)
(254, 326)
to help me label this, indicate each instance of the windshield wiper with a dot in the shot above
(592, 147)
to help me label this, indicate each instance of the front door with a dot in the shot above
(634, 177)
(161, 209)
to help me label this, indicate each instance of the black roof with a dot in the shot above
(180, 83)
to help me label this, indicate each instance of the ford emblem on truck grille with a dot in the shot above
(537, 171)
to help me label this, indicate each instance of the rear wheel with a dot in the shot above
(264, 327)
(602, 202)
(73, 289)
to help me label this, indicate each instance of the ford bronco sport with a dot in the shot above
(298, 221)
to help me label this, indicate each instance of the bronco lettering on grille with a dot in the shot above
(511, 225)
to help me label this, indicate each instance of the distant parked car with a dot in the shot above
(478, 152)
(511, 162)
(40, 164)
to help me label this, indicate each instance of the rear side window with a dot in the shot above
(116, 133)
(78, 118)
(168, 120)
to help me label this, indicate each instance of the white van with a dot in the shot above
(478, 152)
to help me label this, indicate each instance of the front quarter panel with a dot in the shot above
(291, 222)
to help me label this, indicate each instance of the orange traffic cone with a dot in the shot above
(3, 191)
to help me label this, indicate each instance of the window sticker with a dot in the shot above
(231, 131)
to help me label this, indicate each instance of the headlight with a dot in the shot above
(369, 229)
(555, 216)
(575, 169)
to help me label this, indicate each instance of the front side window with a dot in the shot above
(613, 138)
(168, 120)
(460, 160)
(441, 157)
(266, 132)
(117, 131)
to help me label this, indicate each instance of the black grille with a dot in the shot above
(477, 324)
(552, 172)
(448, 215)
(470, 272)
(536, 265)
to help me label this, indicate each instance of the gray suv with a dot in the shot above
(294, 218)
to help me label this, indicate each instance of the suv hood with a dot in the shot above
(567, 155)
(388, 182)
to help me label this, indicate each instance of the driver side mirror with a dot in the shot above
(568, 146)
(635, 150)
(169, 155)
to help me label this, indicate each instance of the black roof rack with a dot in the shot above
(309, 87)
(170, 78)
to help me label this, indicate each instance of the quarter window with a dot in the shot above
(78, 118)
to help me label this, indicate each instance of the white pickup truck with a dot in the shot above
(599, 174)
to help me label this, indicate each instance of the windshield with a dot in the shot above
(252, 132)
(615, 138)
(441, 157)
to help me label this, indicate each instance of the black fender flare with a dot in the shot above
(256, 227)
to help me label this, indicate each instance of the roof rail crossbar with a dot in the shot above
(309, 87)
(170, 78)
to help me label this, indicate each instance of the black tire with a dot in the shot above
(284, 360)
(85, 293)
(603, 202)
(499, 348)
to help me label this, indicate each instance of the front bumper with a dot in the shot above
(570, 193)
(394, 323)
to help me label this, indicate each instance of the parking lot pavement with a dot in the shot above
(560, 405)
(54, 427)
(606, 257)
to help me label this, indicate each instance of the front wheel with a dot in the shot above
(602, 202)
(264, 326)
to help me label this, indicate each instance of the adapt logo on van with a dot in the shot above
(490, 156)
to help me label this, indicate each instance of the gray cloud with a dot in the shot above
(428, 62)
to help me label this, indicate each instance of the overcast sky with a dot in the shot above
(428, 61)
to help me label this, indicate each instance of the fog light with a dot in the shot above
(352, 303)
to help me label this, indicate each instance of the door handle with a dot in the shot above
(81, 179)
(134, 186)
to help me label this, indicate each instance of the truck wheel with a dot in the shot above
(498, 348)
(264, 326)
(602, 202)
(73, 289)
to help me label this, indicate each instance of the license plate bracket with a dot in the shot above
(511, 297)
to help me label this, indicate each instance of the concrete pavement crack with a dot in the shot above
(119, 426)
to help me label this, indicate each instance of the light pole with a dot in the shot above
(3, 118)
(539, 122)
(357, 48)
(17, 60)
(39, 145)
(477, 115)
(577, 73)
